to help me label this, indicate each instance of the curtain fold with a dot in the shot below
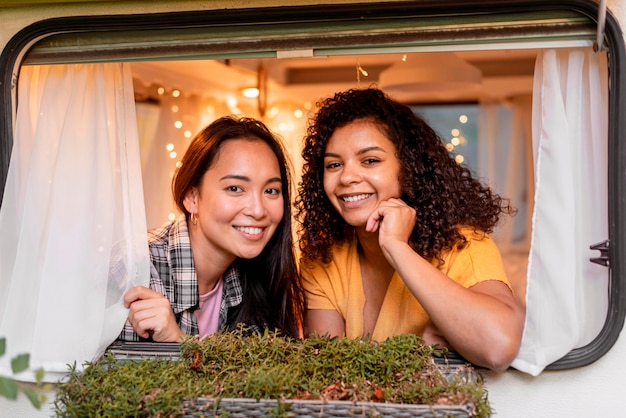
(501, 162)
(72, 220)
(566, 293)
(504, 144)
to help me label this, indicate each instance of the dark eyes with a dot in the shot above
(270, 190)
(367, 161)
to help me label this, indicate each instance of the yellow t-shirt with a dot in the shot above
(339, 286)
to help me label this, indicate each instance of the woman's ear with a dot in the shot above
(191, 200)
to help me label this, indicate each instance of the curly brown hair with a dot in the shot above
(444, 194)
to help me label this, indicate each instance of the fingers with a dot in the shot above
(139, 292)
(432, 336)
(143, 321)
(373, 223)
(376, 217)
(145, 318)
(151, 315)
(399, 218)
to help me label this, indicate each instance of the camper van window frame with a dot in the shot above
(17, 50)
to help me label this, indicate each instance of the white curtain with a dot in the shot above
(504, 136)
(72, 208)
(505, 163)
(566, 293)
(171, 126)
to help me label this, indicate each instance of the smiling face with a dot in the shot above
(361, 169)
(239, 202)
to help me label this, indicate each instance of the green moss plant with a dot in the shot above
(400, 370)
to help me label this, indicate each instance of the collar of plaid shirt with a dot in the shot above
(171, 255)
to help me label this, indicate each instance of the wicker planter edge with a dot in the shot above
(245, 407)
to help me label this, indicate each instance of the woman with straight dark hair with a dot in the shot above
(229, 258)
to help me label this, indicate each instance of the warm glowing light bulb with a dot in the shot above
(273, 112)
(250, 92)
(169, 147)
(463, 119)
(231, 102)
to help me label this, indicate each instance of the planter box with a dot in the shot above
(234, 408)
(452, 365)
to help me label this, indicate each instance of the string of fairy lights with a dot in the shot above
(287, 118)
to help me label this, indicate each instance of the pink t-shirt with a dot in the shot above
(209, 312)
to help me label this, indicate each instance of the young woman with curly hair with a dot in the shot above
(395, 234)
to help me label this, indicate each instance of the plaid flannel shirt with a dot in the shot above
(172, 273)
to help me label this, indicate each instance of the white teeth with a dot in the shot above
(355, 198)
(249, 230)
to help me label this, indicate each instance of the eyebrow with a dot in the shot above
(247, 179)
(361, 151)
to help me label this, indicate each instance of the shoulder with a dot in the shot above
(324, 282)
(343, 265)
(471, 233)
(171, 233)
(170, 241)
(160, 234)
(478, 260)
(477, 240)
(341, 254)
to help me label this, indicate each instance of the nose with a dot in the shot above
(350, 174)
(256, 206)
